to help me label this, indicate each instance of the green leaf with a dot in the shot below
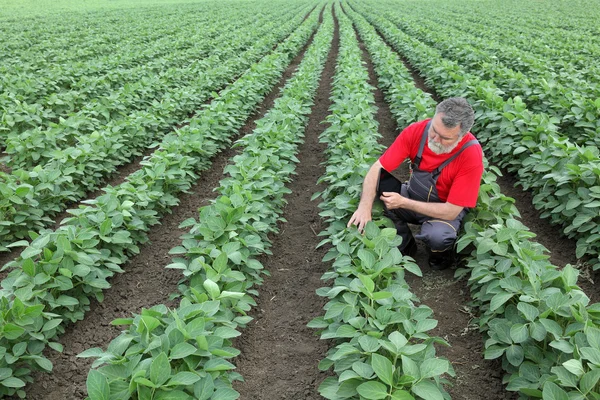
(225, 394)
(383, 368)
(402, 395)
(97, 386)
(182, 350)
(13, 382)
(519, 333)
(574, 366)
(184, 378)
(369, 343)
(553, 392)
(427, 390)
(372, 390)
(160, 370)
(499, 299)
(530, 312)
(589, 380)
(44, 363)
(212, 288)
(367, 282)
(515, 355)
(172, 395)
(434, 367)
(590, 354)
(217, 364)
(12, 331)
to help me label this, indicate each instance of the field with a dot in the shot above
(176, 178)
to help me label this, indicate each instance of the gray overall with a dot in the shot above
(439, 235)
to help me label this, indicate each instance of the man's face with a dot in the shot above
(442, 140)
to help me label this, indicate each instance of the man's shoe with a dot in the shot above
(410, 249)
(441, 260)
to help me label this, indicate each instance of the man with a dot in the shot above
(446, 170)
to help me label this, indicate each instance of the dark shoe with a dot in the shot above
(410, 249)
(441, 260)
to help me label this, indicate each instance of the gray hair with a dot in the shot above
(456, 110)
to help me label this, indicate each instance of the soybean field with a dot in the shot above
(176, 177)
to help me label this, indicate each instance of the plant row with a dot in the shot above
(535, 317)
(573, 45)
(564, 177)
(184, 353)
(53, 280)
(71, 90)
(573, 102)
(532, 49)
(163, 84)
(381, 346)
(30, 198)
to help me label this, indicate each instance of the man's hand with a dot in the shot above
(393, 200)
(360, 218)
(362, 215)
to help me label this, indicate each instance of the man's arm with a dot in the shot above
(447, 211)
(362, 215)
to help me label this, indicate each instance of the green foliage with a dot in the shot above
(382, 349)
(186, 351)
(57, 274)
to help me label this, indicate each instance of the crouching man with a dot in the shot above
(446, 169)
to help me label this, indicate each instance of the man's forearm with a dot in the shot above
(444, 211)
(370, 186)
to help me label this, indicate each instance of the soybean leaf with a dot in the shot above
(372, 390)
(427, 390)
(225, 394)
(160, 370)
(97, 386)
(433, 367)
(383, 368)
(552, 391)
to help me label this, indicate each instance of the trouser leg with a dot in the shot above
(439, 235)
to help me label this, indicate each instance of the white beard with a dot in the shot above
(438, 148)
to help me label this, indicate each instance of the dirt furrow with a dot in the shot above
(279, 353)
(476, 378)
(145, 282)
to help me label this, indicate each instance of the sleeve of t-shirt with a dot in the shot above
(399, 150)
(465, 186)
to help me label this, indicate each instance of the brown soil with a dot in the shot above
(145, 282)
(476, 378)
(279, 353)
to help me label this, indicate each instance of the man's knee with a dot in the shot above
(438, 235)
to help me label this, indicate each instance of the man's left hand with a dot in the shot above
(392, 200)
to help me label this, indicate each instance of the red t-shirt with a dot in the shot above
(458, 182)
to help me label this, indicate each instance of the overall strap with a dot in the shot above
(437, 171)
(422, 145)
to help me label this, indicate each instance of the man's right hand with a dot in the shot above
(360, 219)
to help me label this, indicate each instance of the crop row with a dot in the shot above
(565, 178)
(575, 44)
(382, 349)
(81, 97)
(535, 317)
(55, 277)
(130, 93)
(29, 198)
(572, 101)
(531, 45)
(184, 352)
